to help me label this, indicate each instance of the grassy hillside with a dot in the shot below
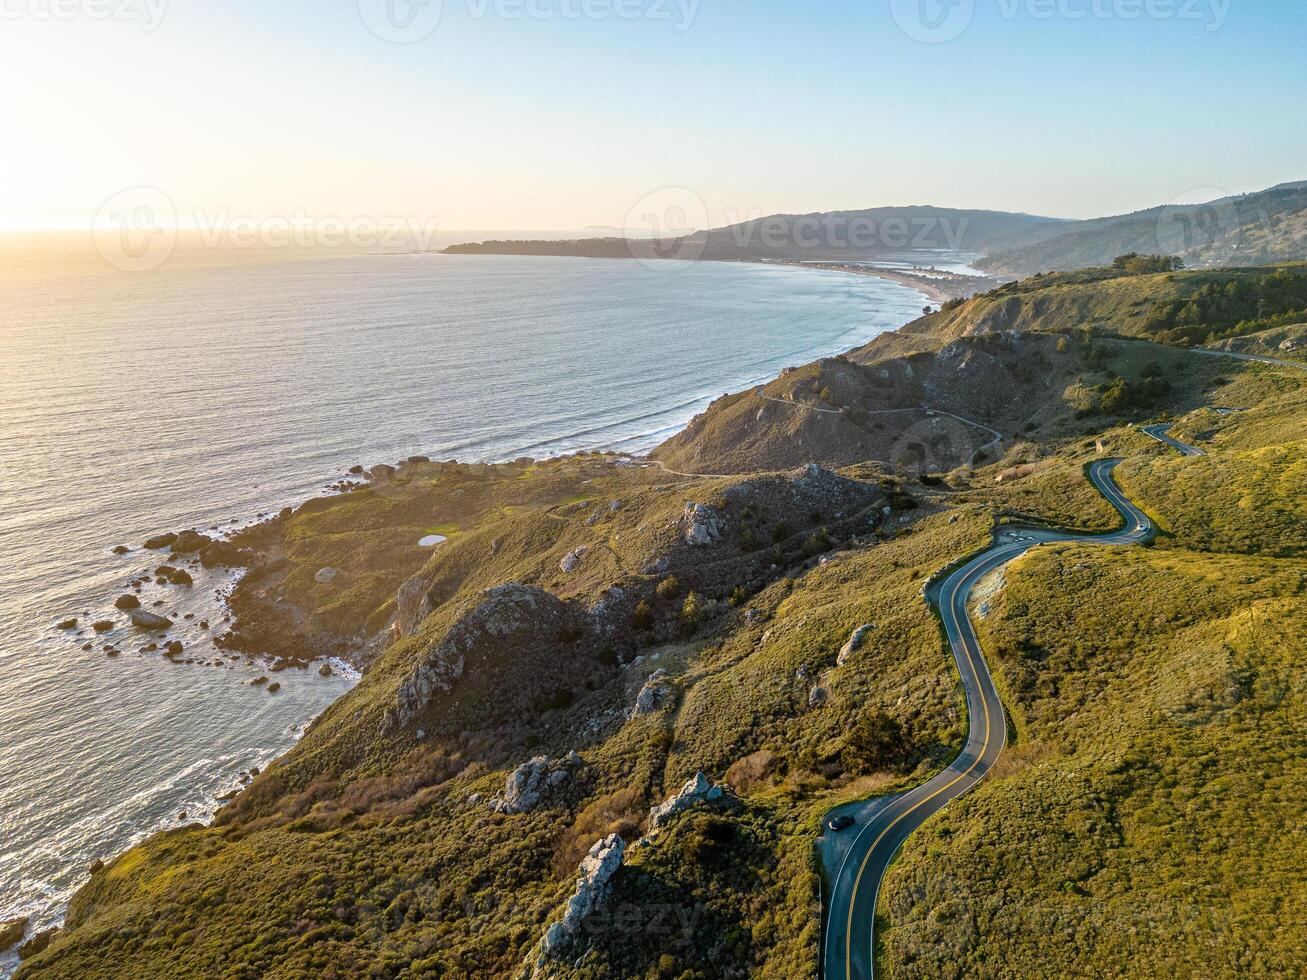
(1171, 307)
(358, 854)
(1146, 821)
(1269, 226)
(937, 411)
(1146, 815)
(658, 620)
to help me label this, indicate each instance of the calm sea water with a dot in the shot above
(196, 396)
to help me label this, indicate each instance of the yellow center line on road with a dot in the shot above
(857, 882)
(1100, 477)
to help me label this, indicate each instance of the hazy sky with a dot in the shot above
(560, 114)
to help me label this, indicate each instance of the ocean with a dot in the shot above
(203, 394)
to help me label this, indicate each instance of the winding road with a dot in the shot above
(1162, 434)
(883, 824)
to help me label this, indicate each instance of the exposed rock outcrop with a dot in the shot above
(412, 605)
(534, 782)
(11, 932)
(656, 694)
(592, 889)
(696, 792)
(854, 644)
(510, 616)
(37, 944)
(702, 525)
(572, 560)
(189, 542)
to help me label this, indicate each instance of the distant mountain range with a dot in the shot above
(1248, 229)
(1267, 226)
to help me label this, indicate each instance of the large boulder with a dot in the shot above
(656, 694)
(11, 933)
(143, 620)
(161, 541)
(854, 643)
(189, 542)
(572, 560)
(534, 782)
(702, 525)
(593, 886)
(696, 792)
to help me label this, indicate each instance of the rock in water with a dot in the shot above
(11, 932)
(127, 603)
(149, 621)
(68, 624)
(103, 626)
(161, 541)
(173, 576)
(189, 542)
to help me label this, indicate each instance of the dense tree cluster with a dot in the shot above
(1228, 309)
